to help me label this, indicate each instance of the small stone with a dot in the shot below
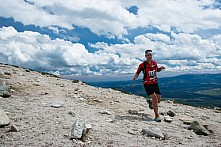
(7, 73)
(189, 137)
(35, 84)
(105, 112)
(96, 100)
(171, 113)
(2, 136)
(12, 90)
(168, 119)
(57, 104)
(81, 99)
(88, 126)
(44, 93)
(65, 127)
(14, 128)
(109, 120)
(169, 101)
(131, 132)
(43, 104)
(133, 112)
(72, 113)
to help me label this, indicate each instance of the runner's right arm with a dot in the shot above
(138, 71)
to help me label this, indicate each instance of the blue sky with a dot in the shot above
(108, 38)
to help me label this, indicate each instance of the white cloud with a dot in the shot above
(36, 51)
(187, 16)
(183, 53)
(111, 18)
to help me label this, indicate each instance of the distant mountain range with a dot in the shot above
(192, 89)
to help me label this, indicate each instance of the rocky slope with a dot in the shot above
(42, 111)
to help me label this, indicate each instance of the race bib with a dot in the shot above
(152, 74)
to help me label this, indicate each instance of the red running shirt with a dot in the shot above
(151, 72)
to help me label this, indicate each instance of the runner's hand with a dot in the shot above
(162, 67)
(135, 77)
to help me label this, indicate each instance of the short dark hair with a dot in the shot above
(148, 51)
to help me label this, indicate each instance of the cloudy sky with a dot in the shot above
(109, 37)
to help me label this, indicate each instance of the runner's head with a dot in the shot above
(148, 54)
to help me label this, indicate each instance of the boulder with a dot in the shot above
(80, 129)
(153, 132)
(2, 75)
(77, 129)
(198, 128)
(4, 89)
(4, 120)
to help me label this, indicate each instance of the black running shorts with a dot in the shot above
(152, 88)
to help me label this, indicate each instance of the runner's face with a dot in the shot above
(148, 56)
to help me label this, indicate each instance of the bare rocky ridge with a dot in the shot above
(42, 110)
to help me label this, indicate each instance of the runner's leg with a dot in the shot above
(154, 102)
(158, 98)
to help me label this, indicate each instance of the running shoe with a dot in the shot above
(157, 119)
